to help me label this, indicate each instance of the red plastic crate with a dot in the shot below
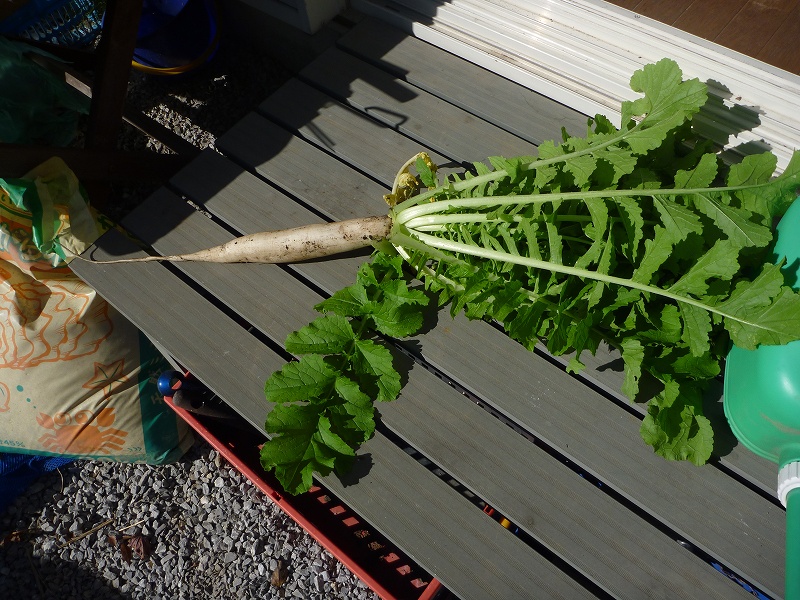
(354, 542)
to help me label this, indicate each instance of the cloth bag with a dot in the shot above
(77, 379)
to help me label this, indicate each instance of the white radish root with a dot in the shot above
(287, 245)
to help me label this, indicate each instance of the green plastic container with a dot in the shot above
(762, 403)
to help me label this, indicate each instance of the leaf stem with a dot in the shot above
(408, 241)
(404, 215)
(458, 247)
(465, 184)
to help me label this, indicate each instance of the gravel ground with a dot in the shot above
(205, 531)
(211, 534)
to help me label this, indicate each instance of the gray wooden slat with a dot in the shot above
(413, 111)
(395, 487)
(723, 537)
(504, 103)
(379, 151)
(272, 148)
(604, 370)
(332, 128)
(569, 515)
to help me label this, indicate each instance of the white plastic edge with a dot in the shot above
(582, 53)
(788, 480)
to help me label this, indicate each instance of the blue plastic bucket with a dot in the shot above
(175, 36)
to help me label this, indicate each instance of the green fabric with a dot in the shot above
(37, 200)
(36, 107)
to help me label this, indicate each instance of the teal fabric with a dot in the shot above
(36, 107)
(159, 423)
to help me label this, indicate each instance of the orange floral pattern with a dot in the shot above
(41, 323)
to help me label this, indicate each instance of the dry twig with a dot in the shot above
(84, 534)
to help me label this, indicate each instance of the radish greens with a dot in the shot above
(641, 238)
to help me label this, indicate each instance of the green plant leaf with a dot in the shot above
(658, 250)
(357, 406)
(300, 381)
(678, 220)
(753, 170)
(632, 356)
(331, 439)
(720, 262)
(294, 453)
(375, 361)
(701, 176)
(330, 334)
(426, 175)
(769, 311)
(667, 103)
(347, 302)
(303, 443)
(734, 222)
(696, 328)
(674, 425)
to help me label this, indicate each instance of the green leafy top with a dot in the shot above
(639, 237)
(324, 402)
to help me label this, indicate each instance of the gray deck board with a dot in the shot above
(566, 513)
(504, 103)
(430, 120)
(330, 128)
(235, 365)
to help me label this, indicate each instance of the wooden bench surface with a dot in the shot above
(600, 514)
